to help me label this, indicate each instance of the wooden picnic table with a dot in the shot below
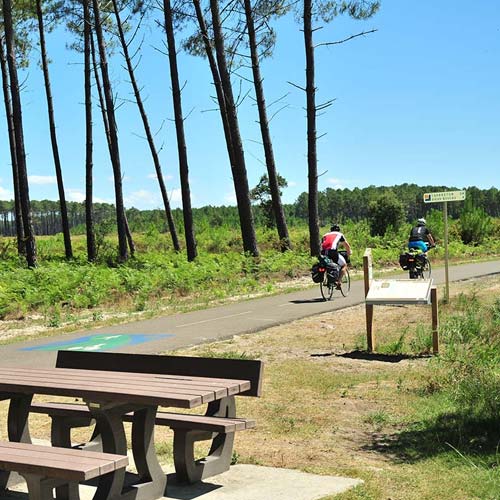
(109, 396)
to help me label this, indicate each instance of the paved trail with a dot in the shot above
(171, 332)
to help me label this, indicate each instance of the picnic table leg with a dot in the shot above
(40, 488)
(110, 425)
(17, 426)
(219, 457)
(19, 410)
(152, 479)
(61, 436)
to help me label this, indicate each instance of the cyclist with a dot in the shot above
(329, 247)
(420, 237)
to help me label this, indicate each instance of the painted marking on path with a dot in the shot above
(103, 342)
(213, 319)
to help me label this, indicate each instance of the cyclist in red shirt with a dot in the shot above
(329, 247)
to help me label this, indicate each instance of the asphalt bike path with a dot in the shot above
(217, 323)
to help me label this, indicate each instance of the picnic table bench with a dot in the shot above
(218, 424)
(45, 468)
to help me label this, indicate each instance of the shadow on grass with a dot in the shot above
(375, 356)
(473, 437)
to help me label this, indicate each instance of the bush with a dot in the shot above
(475, 225)
(472, 358)
(385, 211)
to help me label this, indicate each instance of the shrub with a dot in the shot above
(472, 359)
(385, 211)
(475, 224)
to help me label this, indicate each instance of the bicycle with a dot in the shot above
(416, 263)
(329, 283)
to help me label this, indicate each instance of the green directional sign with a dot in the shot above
(443, 196)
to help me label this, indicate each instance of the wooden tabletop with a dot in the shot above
(135, 388)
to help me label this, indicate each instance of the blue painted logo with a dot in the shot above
(103, 342)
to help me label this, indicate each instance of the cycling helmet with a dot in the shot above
(335, 227)
(421, 222)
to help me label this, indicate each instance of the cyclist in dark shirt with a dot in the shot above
(421, 237)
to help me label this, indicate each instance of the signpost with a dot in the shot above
(444, 197)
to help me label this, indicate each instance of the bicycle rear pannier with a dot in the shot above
(317, 273)
(421, 259)
(333, 274)
(403, 261)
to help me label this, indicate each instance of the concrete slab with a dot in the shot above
(252, 482)
(246, 482)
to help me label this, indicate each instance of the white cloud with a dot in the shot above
(175, 195)
(75, 195)
(5, 194)
(104, 200)
(42, 179)
(142, 198)
(292, 184)
(230, 198)
(336, 183)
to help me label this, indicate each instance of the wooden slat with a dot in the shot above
(146, 385)
(154, 378)
(144, 388)
(61, 463)
(180, 420)
(61, 409)
(202, 422)
(101, 394)
(246, 369)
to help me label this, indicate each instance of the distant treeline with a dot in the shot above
(334, 205)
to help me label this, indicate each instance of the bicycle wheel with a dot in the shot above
(326, 288)
(345, 284)
(426, 270)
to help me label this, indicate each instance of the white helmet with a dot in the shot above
(421, 222)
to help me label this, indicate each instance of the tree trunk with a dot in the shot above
(239, 169)
(29, 237)
(312, 160)
(98, 85)
(181, 139)
(21, 250)
(216, 78)
(89, 161)
(113, 136)
(279, 213)
(53, 136)
(107, 132)
(147, 129)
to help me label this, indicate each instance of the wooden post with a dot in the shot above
(446, 276)
(435, 320)
(368, 276)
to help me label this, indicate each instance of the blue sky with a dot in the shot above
(416, 102)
